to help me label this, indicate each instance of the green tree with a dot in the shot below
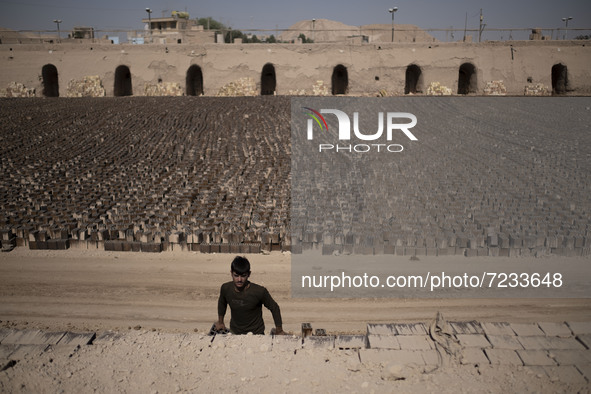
(212, 23)
(304, 39)
(254, 39)
(271, 39)
(232, 35)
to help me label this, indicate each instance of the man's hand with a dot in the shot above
(219, 326)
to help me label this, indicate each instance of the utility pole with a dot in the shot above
(57, 22)
(465, 26)
(392, 11)
(482, 26)
(149, 11)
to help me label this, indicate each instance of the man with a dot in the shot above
(246, 300)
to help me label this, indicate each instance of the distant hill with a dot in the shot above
(325, 30)
(9, 36)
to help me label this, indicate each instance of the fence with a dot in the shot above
(358, 35)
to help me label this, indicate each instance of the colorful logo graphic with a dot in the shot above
(317, 117)
(348, 130)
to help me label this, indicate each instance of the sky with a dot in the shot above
(108, 15)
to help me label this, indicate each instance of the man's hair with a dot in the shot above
(241, 265)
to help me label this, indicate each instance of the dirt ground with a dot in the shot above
(178, 291)
(159, 307)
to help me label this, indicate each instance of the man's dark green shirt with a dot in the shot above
(246, 307)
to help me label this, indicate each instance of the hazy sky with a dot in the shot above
(272, 14)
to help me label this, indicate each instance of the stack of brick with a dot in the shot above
(297, 92)
(17, 89)
(538, 89)
(89, 86)
(241, 87)
(127, 185)
(163, 89)
(437, 89)
(557, 350)
(8, 240)
(320, 89)
(495, 88)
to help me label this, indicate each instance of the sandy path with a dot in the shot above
(177, 291)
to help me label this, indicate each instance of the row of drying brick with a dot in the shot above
(559, 350)
(127, 172)
(328, 250)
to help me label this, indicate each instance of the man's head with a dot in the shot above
(240, 269)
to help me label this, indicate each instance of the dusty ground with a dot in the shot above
(160, 306)
(177, 292)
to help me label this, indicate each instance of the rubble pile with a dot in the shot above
(89, 86)
(320, 89)
(17, 89)
(437, 89)
(538, 89)
(495, 88)
(163, 89)
(241, 87)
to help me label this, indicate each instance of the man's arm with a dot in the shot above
(222, 306)
(271, 305)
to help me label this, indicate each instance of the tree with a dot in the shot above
(211, 23)
(271, 39)
(304, 39)
(254, 39)
(232, 35)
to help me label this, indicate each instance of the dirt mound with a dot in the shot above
(325, 30)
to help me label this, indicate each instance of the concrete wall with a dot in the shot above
(372, 68)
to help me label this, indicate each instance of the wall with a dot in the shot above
(372, 69)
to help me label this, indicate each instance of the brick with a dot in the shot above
(473, 340)
(504, 342)
(567, 374)
(579, 328)
(556, 329)
(107, 337)
(326, 342)
(414, 342)
(535, 357)
(382, 342)
(410, 329)
(585, 340)
(585, 369)
(151, 247)
(572, 357)
(526, 329)
(28, 351)
(33, 337)
(503, 357)
(471, 327)
(72, 338)
(4, 332)
(381, 329)
(286, 343)
(550, 343)
(383, 356)
(350, 342)
(474, 356)
(497, 328)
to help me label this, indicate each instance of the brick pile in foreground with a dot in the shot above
(213, 175)
(556, 352)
